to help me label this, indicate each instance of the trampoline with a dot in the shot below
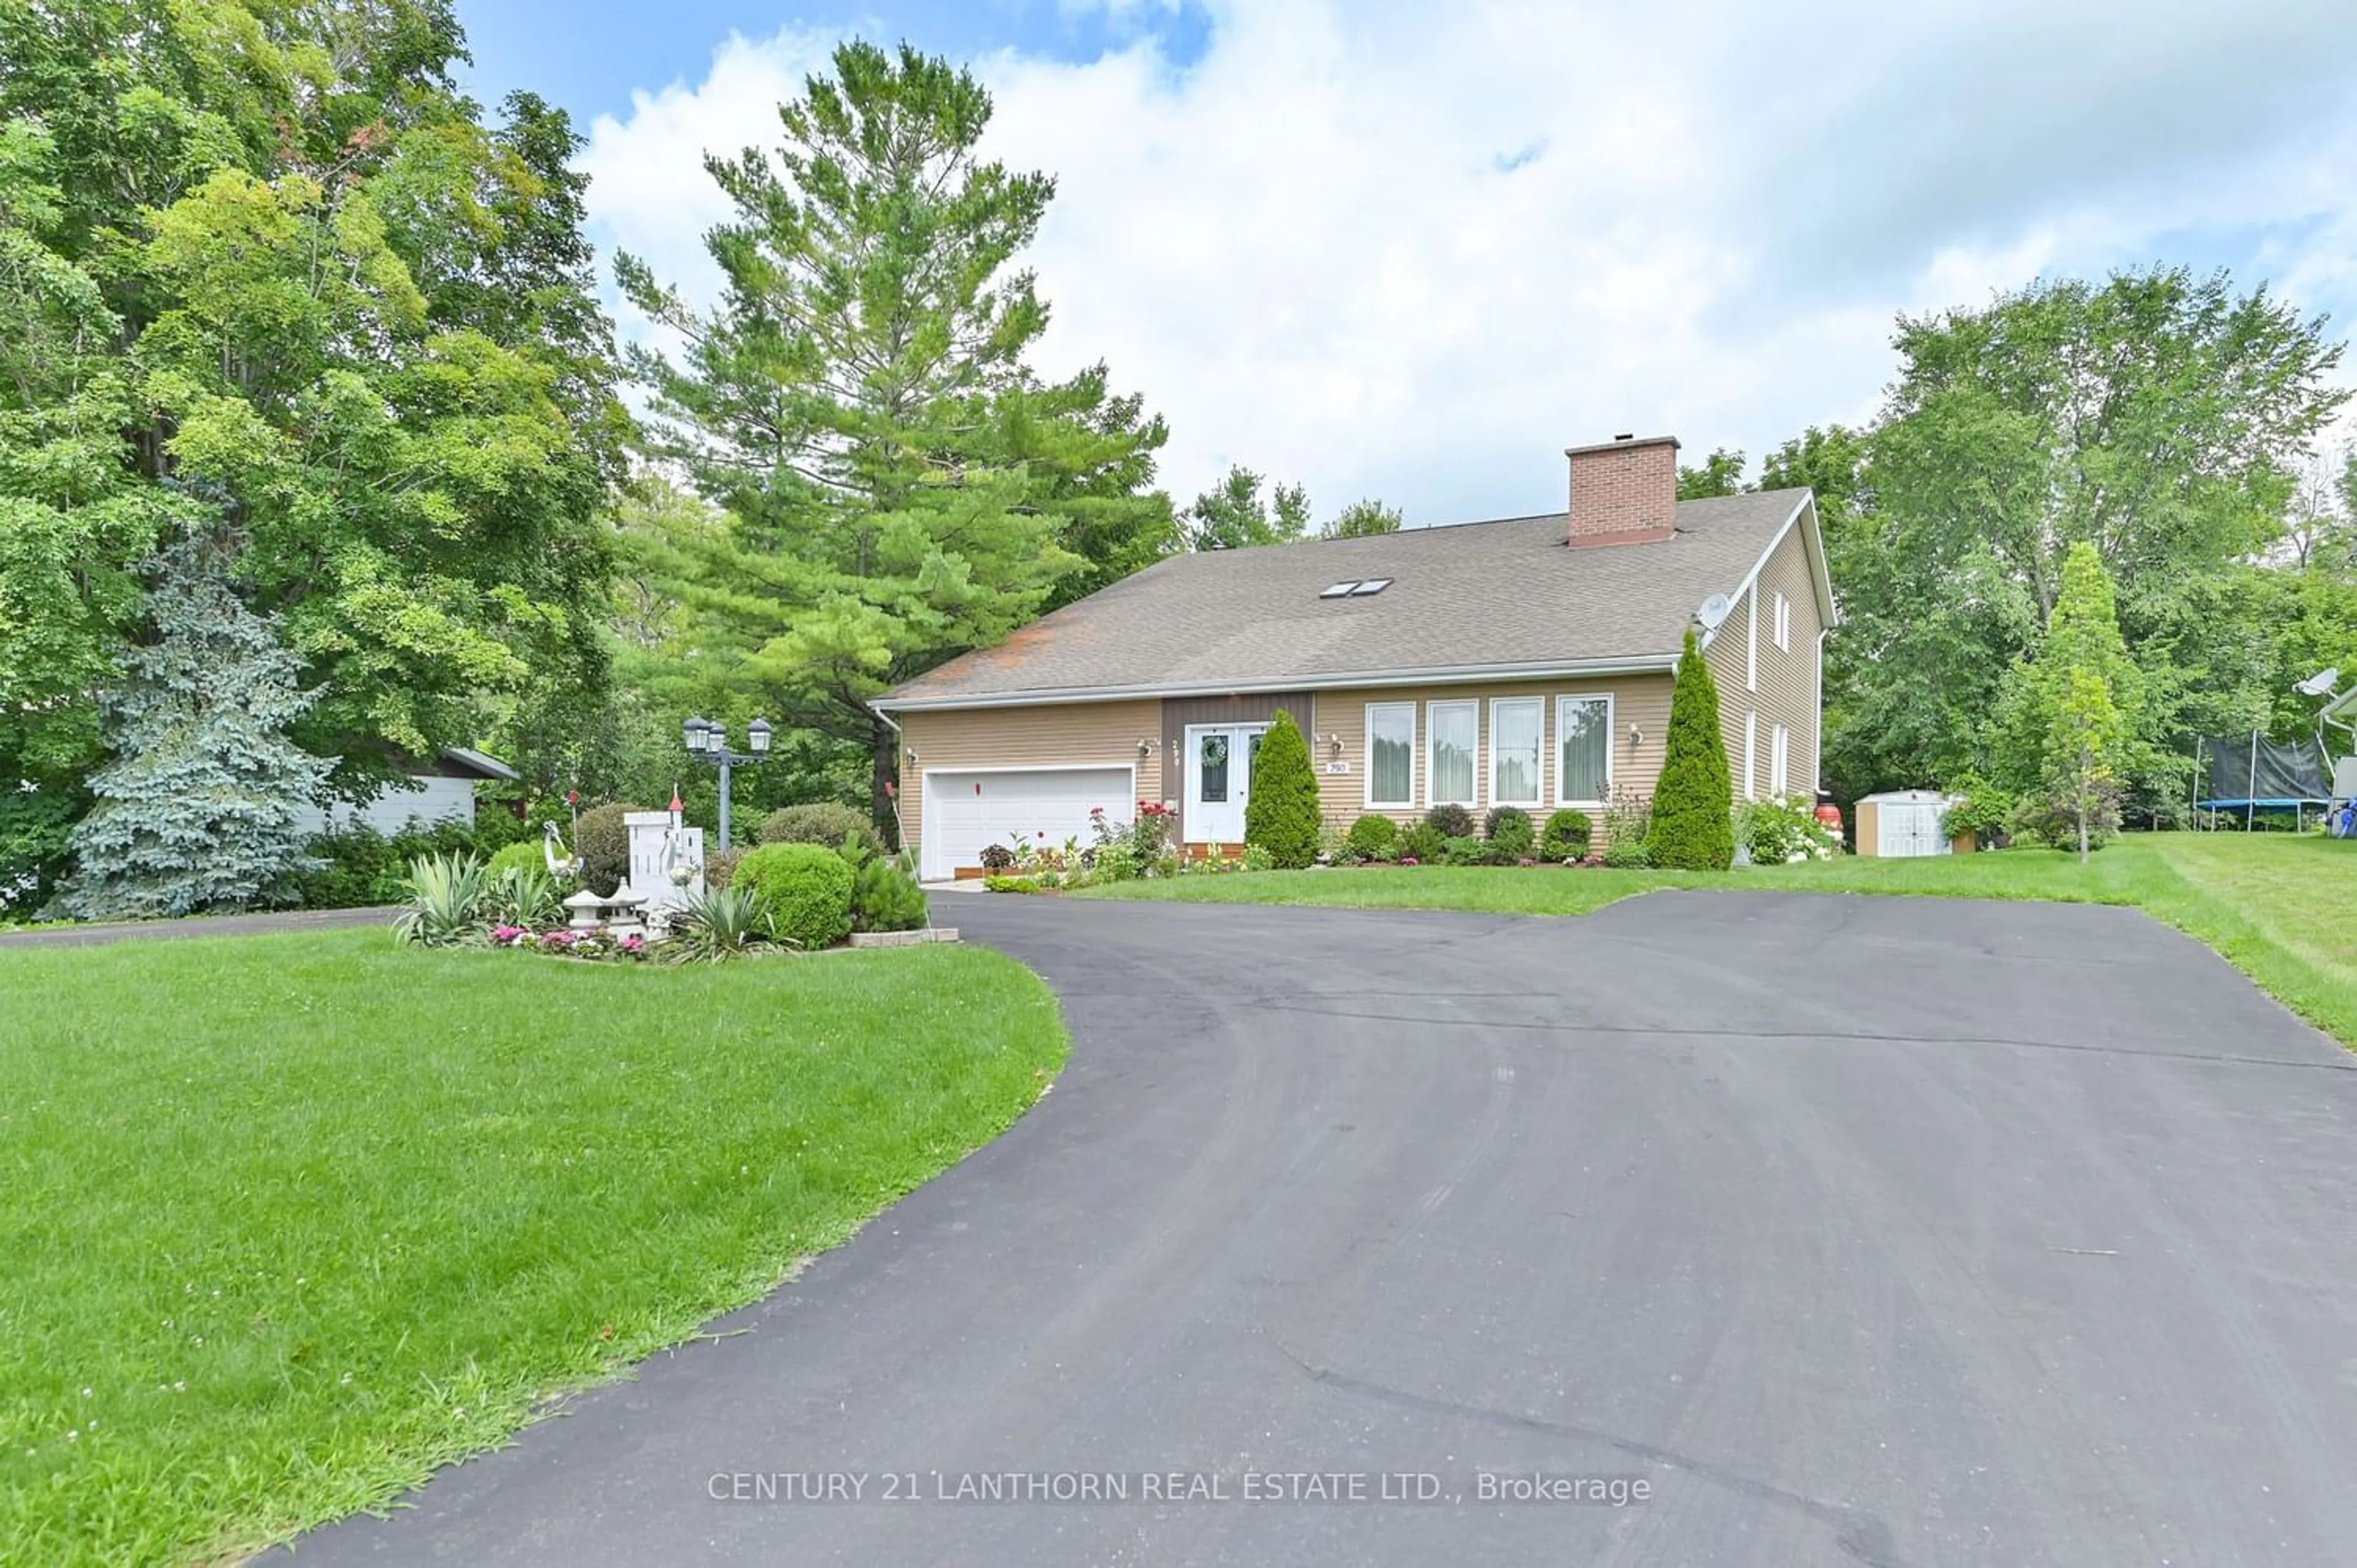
(2251, 774)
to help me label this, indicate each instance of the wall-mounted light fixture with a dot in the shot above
(912, 753)
(1145, 748)
(1636, 737)
(1336, 742)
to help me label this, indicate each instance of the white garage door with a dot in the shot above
(1045, 806)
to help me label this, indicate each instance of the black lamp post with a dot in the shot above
(708, 742)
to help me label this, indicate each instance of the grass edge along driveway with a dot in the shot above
(286, 1222)
(2282, 908)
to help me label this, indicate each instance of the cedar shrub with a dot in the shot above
(1282, 816)
(1693, 828)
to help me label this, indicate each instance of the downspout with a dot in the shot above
(899, 828)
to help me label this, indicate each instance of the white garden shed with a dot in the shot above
(1904, 823)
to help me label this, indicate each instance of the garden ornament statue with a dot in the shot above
(680, 859)
(561, 865)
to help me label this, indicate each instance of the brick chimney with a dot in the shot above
(1624, 490)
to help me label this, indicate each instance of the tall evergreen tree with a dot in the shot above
(1283, 814)
(900, 487)
(1693, 824)
(197, 810)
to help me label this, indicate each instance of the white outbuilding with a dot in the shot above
(1904, 823)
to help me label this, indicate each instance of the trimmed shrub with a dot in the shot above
(602, 840)
(996, 858)
(1450, 821)
(720, 869)
(1693, 828)
(1283, 817)
(1422, 843)
(806, 889)
(822, 821)
(527, 852)
(1373, 838)
(1510, 832)
(1567, 836)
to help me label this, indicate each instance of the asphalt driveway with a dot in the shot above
(1872, 1231)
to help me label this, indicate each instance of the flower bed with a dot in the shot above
(566, 942)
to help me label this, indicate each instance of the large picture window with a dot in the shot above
(1391, 754)
(1456, 750)
(1517, 743)
(1583, 738)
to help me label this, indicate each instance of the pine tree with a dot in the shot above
(1694, 828)
(899, 485)
(1282, 815)
(197, 808)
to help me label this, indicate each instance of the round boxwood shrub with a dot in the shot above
(526, 851)
(602, 839)
(822, 822)
(1282, 817)
(1450, 821)
(1567, 836)
(1510, 834)
(1373, 837)
(804, 887)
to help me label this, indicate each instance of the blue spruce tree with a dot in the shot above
(197, 810)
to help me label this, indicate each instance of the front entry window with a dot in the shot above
(1215, 769)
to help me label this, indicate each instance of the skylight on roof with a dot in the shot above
(1371, 586)
(1339, 590)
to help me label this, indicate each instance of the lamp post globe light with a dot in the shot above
(708, 742)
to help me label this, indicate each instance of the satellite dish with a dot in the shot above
(2320, 684)
(1714, 609)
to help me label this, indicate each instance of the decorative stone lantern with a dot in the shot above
(588, 910)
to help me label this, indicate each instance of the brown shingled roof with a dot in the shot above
(1468, 598)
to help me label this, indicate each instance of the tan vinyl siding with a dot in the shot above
(1788, 677)
(1640, 699)
(1041, 736)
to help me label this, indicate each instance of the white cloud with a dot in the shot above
(1415, 251)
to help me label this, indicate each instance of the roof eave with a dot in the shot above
(1638, 664)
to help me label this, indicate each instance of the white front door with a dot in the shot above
(1219, 780)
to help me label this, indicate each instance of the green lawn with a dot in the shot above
(2277, 905)
(287, 1221)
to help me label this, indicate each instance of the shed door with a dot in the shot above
(1912, 827)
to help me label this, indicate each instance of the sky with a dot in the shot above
(1412, 252)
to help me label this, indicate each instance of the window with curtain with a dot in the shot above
(1516, 746)
(1456, 749)
(1391, 754)
(1584, 727)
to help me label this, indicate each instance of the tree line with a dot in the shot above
(313, 456)
(2150, 440)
